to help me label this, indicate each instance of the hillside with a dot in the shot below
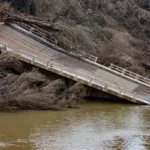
(117, 31)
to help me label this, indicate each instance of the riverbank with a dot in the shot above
(23, 86)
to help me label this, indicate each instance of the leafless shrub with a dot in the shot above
(30, 89)
(4, 9)
(108, 29)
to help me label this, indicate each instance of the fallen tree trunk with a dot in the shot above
(9, 15)
(12, 18)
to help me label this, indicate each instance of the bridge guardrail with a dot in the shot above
(80, 54)
(79, 74)
(89, 78)
(129, 74)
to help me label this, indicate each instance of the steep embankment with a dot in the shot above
(115, 31)
(25, 87)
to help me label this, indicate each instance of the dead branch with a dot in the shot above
(9, 15)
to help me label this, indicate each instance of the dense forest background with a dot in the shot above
(116, 31)
(27, 6)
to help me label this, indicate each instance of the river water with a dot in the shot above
(96, 126)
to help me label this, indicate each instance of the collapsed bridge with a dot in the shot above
(31, 47)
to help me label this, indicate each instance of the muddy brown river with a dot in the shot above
(96, 126)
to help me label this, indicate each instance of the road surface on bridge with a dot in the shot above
(18, 41)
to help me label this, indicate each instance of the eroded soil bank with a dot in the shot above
(23, 86)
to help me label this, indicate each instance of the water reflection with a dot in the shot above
(97, 126)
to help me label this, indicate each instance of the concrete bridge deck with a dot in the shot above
(90, 74)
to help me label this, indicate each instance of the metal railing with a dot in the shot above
(49, 38)
(130, 74)
(89, 78)
(90, 58)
